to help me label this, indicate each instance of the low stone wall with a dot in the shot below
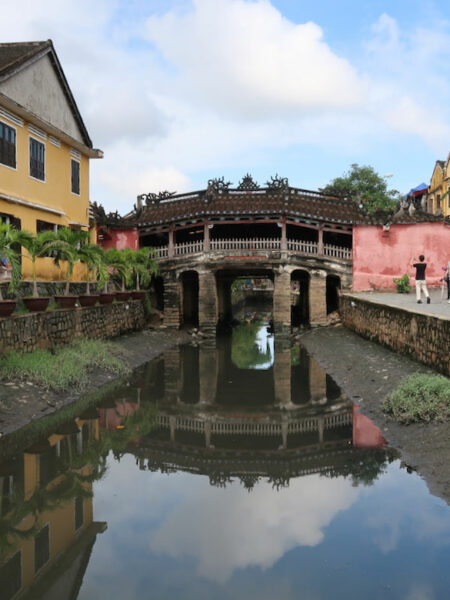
(52, 328)
(425, 338)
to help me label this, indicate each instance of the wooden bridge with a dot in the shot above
(205, 240)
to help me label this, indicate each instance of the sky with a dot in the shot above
(176, 92)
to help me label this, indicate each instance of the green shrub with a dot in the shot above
(420, 398)
(402, 284)
(67, 367)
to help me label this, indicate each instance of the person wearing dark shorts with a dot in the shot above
(421, 282)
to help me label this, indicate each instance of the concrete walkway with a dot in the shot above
(408, 301)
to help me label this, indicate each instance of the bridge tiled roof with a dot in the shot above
(292, 202)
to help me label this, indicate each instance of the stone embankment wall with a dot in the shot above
(425, 338)
(52, 328)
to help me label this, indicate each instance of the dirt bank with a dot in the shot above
(367, 373)
(21, 403)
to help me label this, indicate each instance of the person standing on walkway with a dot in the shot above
(421, 282)
(446, 278)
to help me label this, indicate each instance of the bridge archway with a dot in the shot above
(255, 285)
(333, 285)
(300, 283)
(189, 293)
(158, 289)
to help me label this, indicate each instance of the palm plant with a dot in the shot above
(118, 261)
(92, 256)
(10, 239)
(144, 266)
(37, 246)
(70, 243)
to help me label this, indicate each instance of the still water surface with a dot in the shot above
(232, 472)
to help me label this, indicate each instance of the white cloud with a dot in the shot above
(245, 59)
(270, 524)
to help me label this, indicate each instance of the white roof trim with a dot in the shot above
(79, 224)
(35, 205)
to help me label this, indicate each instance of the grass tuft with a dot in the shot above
(67, 368)
(420, 398)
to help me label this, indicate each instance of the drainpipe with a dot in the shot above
(320, 245)
(206, 238)
(171, 236)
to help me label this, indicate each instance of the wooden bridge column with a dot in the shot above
(207, 303)
(318, 298)
(172, 316)
(282, 303)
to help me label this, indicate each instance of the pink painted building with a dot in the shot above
(381, 253)
(120, 238)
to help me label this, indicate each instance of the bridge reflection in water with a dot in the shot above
(218, 418)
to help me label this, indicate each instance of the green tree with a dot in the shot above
(70, 242)
(365, 186)
(143, 265)
(37, 246)
(10, 241)
(120, 265)
(92, 256)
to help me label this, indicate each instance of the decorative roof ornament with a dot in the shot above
(152, 198)
(218, 185)
(248, 184)
(103, 218)
(277, 183)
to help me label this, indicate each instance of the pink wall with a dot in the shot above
(379, 256)
(120, 239)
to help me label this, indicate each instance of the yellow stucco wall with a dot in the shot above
(53, 193)
(439, 186)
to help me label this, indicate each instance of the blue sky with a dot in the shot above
(178, 91)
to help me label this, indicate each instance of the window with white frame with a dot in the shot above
(75, 176)
(37, 159)
(7, 145)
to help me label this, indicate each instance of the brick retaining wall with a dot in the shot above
(425, 338)
(48, 329)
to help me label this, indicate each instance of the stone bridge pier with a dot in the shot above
(200, 295)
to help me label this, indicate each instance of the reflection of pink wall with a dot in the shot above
(379, 256)
(110, 418)
(120, 239)
(365, 433)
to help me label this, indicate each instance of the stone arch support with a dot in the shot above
(318, 297)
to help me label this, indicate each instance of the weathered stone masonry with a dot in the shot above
(52, 328)
(425, 338)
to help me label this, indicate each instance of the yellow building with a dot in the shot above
(44, 146)
(438, 198)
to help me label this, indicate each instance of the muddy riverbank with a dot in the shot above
(367, 373)
(23, 402)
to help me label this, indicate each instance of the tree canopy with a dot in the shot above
(364, 185)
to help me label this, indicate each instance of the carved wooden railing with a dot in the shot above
(256, 244)
(250, 427)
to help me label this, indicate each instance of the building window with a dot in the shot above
(41, 548)
(11, 577)
(7, 145)
(45, 226)
(79, 512)
(75, 176)
(37, 159)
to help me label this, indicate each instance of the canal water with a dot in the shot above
(227, 472)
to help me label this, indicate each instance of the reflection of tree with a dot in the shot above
(244, 349)
(219, 479)
(365, 470)
(249, 480)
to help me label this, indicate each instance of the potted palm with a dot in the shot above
(38, 245)
(120, 265)
(92, 256)
(103, 272)
(10, 240)
(144, 266)
(67, 250)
